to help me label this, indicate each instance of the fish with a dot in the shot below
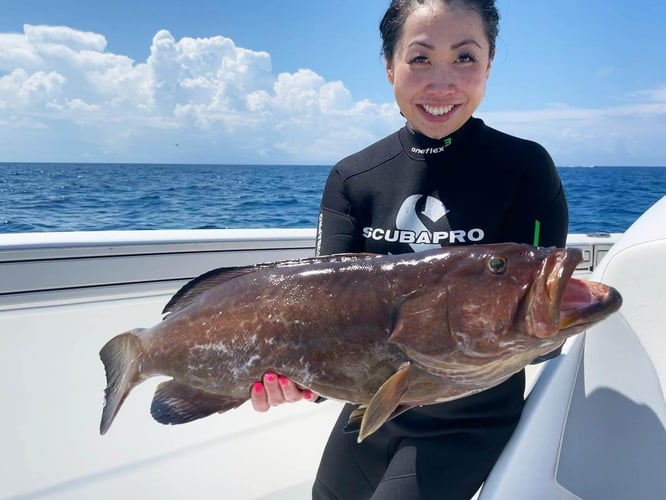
(385, 332)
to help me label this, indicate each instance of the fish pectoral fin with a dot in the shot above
(386, 402)
(178, 403)
(421, 323)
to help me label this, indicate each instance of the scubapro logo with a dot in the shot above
(411, 230)
(424, 237)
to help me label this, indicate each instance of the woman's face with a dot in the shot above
(440, 68)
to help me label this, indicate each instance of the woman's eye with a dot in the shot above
(497, 265)
(466, 57)
(419, 60)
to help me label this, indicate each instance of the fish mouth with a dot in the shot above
(585, 302)
(556, 302)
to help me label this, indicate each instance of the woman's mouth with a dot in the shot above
(437, 110)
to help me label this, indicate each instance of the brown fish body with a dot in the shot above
(230, 337)
(408, 329)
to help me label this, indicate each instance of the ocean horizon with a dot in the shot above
(39, 197)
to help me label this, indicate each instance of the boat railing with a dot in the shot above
(39, 268)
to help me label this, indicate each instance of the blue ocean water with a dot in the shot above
(39, 197)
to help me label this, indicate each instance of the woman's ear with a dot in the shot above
(389, 71)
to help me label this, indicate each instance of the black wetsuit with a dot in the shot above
(407, 193)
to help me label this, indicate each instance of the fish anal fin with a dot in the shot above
(354, 422)
(385, 404)
(178, 403)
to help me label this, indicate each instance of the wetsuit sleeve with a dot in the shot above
(539, 214)
(337, 230)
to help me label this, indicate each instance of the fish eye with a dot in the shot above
(497, 265)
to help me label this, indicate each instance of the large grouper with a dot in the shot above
(386, 332)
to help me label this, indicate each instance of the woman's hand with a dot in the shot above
(274, 390)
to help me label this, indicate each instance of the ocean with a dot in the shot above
(38, 197)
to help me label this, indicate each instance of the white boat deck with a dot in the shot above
(63, 296)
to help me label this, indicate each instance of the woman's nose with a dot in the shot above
(442, 81)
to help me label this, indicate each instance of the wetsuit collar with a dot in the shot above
(420, 147)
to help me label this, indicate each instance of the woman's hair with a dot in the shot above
(394, 19)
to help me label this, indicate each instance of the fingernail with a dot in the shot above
(307, 395)
(270, 377)
(284, 381)
(258, 387)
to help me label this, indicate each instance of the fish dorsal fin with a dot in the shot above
(385, 402)
(177, 403)
(194, 288)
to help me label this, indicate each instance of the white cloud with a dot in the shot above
(657, 95)
(63, 36)
(628, 134)
(217, 101)
(21, 90)
(62, 89)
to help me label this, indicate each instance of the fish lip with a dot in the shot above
(601, 300)
(544, 297)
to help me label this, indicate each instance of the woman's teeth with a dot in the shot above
(438, 110)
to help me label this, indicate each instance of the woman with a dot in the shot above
(443, 179)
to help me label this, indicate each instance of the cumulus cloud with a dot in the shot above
(65, 97)
(214, 100)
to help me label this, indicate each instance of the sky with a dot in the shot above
(302, 81)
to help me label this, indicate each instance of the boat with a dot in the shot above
(593, 425)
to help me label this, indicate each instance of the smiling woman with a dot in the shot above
(445, 178)
(439, 76)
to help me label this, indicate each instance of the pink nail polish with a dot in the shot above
(258, 387)
(270, 377)
(284, 381)
(307, 395)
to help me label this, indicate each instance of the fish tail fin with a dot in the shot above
(120, 356)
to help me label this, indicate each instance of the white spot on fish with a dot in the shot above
(220, 347)
(306, 371)
(316, 272)
(276, 279)
(253, 360)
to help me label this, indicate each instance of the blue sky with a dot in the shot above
(301, 81)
